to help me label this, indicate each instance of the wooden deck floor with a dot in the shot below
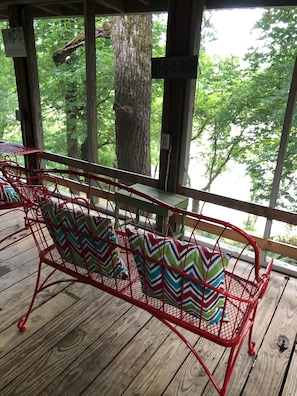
(81, 341)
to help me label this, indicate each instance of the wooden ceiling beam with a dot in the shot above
(117, 5)
(220, 4)
(102, 7)
(70, 8)
(55, 10)
(6, 4)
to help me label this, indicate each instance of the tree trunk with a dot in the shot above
(71, 119)
(132, 45)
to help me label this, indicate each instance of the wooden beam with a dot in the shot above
(103, 7)
(27, 80)
(219, 4)
(131, 178)
(117, 174)
(182, 40)
(248, 207)
(117, 5)
(33, 78)
(91, 81)
(264, 244)
(54, 9)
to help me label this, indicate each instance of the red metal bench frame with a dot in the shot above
(242, 287)
(7, 151)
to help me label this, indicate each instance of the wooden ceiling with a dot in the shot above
(55, 8)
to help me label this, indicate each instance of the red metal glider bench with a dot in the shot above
(207, 288)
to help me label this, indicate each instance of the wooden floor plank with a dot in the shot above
(17, 270)
(110, 343)
(245, 361)
(67, 351)
(17, 248)
(17, 298)
(15, 366)
(290, 388)
(271, 363)
(81, 341)
(117, 377)
(191, 378)
(165, 363)
(11, 227)
(10, 220)
(11, 337)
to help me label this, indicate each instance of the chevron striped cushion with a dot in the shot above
(8, 193)
(180, 290)
(73, 231)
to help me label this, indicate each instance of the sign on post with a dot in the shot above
(175, 67)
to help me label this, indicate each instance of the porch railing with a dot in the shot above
(266, 245)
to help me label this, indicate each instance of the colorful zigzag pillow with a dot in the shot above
(8, 193)
(72, 232)
(176, 289)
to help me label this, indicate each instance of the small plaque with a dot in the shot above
(14, 42)
(175, 67)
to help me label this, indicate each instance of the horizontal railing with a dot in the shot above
(266, 245)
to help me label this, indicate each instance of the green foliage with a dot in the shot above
(220, 127)
(58, 82)
(63, 88)
(288, 238)
(240, 107)
(63, 92)
(286, 260)
(159, 35)
(250, 223)
(238, 113)
(159, 45)
(271, 67)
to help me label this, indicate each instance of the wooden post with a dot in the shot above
(91, 80)
(179, 93)
(27, 82)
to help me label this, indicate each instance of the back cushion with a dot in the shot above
(73, 231)
(181, 291)
(7, 192)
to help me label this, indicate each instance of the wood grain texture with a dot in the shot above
(291, 380)
(245, 362)
(125, 367)
(271, 364)
(18, 364)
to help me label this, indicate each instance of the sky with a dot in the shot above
(233, 31)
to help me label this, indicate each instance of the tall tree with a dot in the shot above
(66, 54)
(220, 130)
(63, 88)
(240, 109)
(132, 45)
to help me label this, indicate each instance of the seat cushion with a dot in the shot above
(84, 240)
(176, 288)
